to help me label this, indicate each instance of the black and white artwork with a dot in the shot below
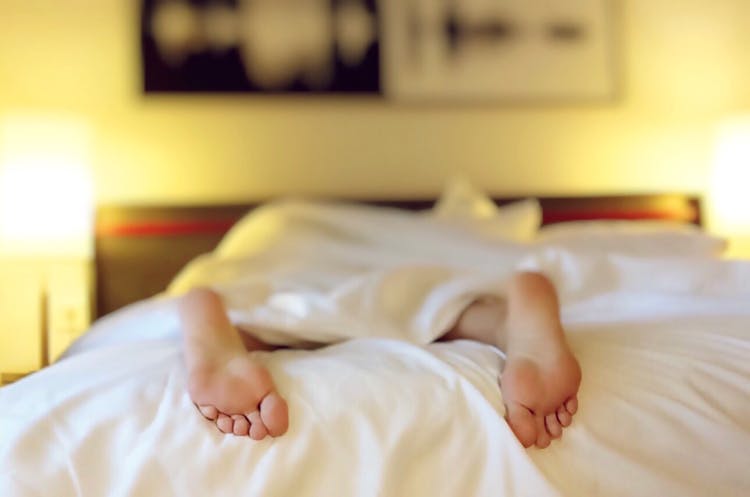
(403, 50)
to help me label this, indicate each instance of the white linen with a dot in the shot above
(464, 205)
(639, 238)
(368, 417)
(299, 272)
(664, 345)
(394, 233)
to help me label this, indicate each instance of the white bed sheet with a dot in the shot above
(664, 345)
(368, 417)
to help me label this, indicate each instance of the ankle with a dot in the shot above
(483, 321)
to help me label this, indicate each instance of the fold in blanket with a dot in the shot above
(298, 273)
(325, 273)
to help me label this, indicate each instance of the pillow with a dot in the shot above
(460, 200)
(460, 210)
(462, 205)
(642, 238)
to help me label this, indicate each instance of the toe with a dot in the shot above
(543, 441)
(224, 423)
(258, 430)
(553, 425)
(275, 414)
(542, 437)
(564, 417)
(241, 425)
(571, 405)
(522, 422)
(208, 412)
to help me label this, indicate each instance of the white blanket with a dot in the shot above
(308, 272)
(664, 346)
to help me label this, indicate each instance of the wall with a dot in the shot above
(684, 64)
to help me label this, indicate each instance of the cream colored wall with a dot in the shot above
(684, 64)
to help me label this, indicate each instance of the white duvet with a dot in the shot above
(664, 345)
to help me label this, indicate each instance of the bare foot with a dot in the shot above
(229, 388)
(541, 377)
(539, 391)
(239, 395)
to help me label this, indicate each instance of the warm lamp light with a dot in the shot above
(46, 200)
(729, 193)
(46, 209)
(45, 188)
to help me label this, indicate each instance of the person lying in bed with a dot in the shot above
(539, 382)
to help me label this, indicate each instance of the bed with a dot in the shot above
(659, 323)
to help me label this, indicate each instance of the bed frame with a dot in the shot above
(139, 249)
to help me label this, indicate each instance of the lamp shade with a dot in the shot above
(729, 197)
(45, 188)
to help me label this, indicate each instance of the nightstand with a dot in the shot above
(38, 295)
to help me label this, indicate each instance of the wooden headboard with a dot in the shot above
(139, 249)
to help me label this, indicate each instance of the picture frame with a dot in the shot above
(404, 51)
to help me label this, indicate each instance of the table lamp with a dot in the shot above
(729, 196)
(46, 212)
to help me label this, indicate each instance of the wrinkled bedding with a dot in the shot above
(664, 344)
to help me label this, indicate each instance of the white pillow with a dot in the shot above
(642, 238)
(462, 205)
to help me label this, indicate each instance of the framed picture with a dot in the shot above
(401, 50)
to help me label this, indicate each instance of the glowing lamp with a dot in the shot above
(46, 206)
(45, 189)
(730, 185)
